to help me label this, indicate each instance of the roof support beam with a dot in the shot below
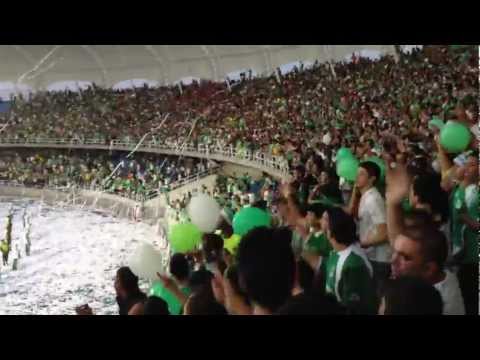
(98, 60)
(267, 56)
(156, 56)
(212, 60)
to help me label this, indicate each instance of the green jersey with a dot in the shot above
(318, 243)
(464, 239)
(174, 305)
(456, 205)
(471, 236)
(349, 276)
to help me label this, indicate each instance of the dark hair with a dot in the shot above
(260, 204)
(179, 266)
(225, 227)
(318, 209)
(418, 166)
(433, 244)
(212, 243)
(371, 168)
(408, 295)
(200, 278)
(312, 304)
(128, 280)
(266, 266)
(155, 306)
(427, 188)
(202, 302)
(342, 226)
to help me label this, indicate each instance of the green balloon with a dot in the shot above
(348, 168)
(184, 237)
(455, 137)
(343, 153)
(381, 165)
(249, 218)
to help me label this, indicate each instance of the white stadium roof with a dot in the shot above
(39, 66)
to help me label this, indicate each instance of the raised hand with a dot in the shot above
(218, 289)
(167, 282)
(398, 183)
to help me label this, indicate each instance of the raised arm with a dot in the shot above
(397, 189)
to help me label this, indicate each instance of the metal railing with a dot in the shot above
(187, 180)
(134, 196)
(274, 165)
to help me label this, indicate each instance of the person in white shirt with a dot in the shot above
(372, 222)
(421, 251)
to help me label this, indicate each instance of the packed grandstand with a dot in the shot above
(356, 190)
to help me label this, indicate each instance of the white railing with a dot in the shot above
(136, 197)
(275, 165)
(187, 180)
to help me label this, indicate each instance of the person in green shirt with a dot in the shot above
(348, 272)
(317, 242)
(464, 232)
(180, 270)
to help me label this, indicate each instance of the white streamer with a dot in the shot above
(36, 67)
(148, 133)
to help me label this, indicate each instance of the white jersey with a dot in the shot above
(452, 298)
(372, 212)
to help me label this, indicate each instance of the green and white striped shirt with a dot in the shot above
(349, 276)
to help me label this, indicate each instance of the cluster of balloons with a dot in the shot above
(205, 214)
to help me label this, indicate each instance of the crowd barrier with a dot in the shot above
(273, 165)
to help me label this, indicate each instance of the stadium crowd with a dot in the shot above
(133, 177)
(395, 240)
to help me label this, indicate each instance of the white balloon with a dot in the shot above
(146, 262)
(204, 212)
